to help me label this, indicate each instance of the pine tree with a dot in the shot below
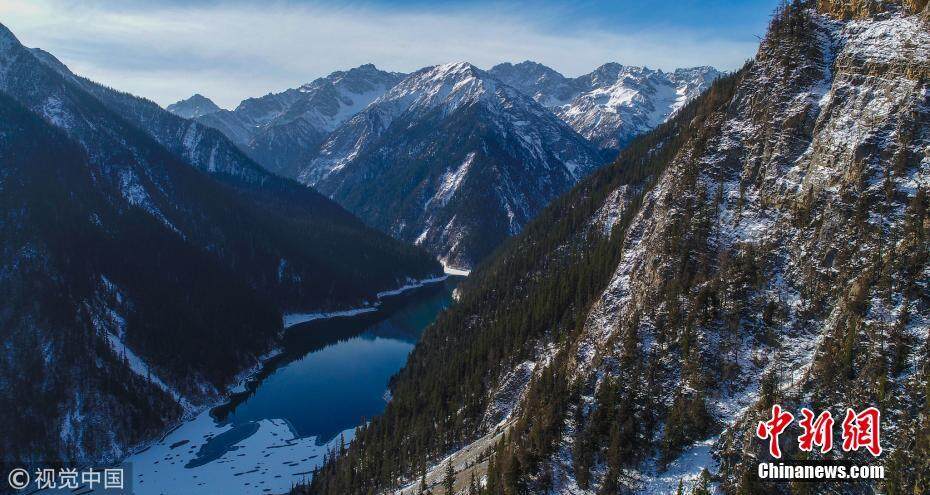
(702, 487)
(422, 490)
(448, 481)
(513, 476)
(473, 485)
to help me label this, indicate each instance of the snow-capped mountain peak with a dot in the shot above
(193, 107)
(365, 137)
(448, 85)
(451, 158)
(354, 79)
(279, 129)
(544, 84)
(613, 103)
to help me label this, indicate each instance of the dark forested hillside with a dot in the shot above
(160, 252)
(334, 239)
(50, 251)
(768, 245)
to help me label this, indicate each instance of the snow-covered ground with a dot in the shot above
(687, 469)
(450, 270)
(412, 285)
(269, 460)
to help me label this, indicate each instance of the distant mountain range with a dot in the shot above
(283, 130)
(613, 104)
(451, 157)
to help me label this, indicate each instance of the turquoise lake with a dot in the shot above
(334, 373)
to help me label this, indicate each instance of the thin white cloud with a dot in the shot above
(229, 52)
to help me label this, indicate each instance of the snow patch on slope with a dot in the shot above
(450, 182)
(108, 321)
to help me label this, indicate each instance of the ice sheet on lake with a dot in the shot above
(271, 460)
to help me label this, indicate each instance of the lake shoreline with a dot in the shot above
(241, 384)
(275, 446)
(292, 319)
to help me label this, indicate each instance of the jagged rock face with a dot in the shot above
(867, 9)
(791, 218)
(193, 107)
(452, 159)
(284, 130)
(612, 104)
(543, 84)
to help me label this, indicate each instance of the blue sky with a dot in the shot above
(232, 50)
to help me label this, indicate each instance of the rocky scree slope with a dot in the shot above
(770, 244)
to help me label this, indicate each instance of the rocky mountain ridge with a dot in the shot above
(452, 159)
(608, 107)
(197, 105)
(614, 103)
(283, 130)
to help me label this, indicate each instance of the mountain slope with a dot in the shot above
(52, 296)
(452, 159)
(769, 244)
(283, 130)
(612, 104)
(193, 107)
(158, 250)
